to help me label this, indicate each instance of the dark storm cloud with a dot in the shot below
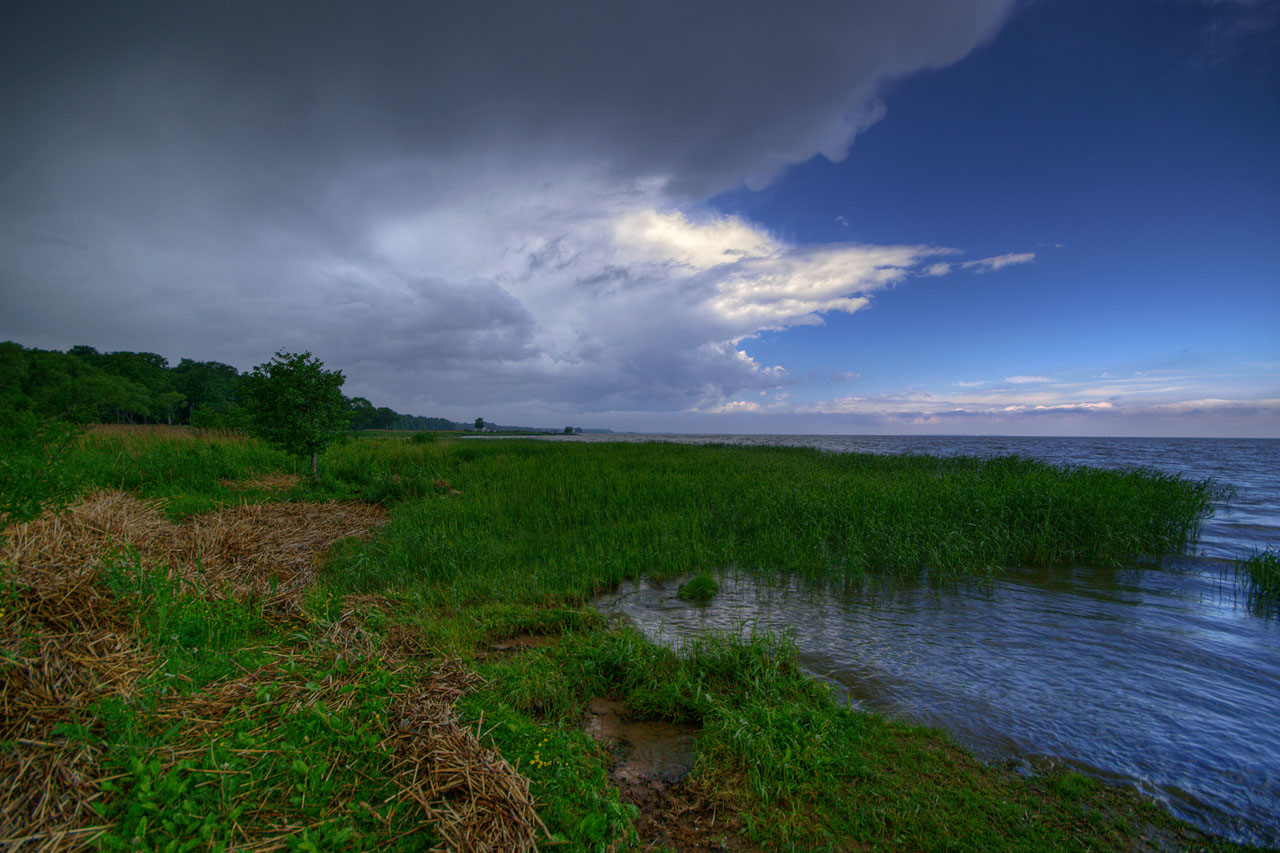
(219, 179)
(705, 92)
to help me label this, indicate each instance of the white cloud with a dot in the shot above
(796, 286)
(1152, 397)
(670, 238)
(734, 407)
(999, 262)
(620, 308)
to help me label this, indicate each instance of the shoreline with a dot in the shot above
(294, 703)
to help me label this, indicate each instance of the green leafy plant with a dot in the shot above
(296, 404)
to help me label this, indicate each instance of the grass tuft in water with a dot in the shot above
(1262, 573)
(701, 588)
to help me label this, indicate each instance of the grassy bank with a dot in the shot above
(180, 692)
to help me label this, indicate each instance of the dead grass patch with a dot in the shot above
(270, 550)
(55, 548)
(51, 675)
(467, 795)
(265, 550)
(478, 801)
(167, 432)
(276, 482)
(70, 645)
(133, 430)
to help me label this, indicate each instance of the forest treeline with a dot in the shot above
(88, 386)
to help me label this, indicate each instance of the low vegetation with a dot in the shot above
(1262, 574)
(700, 588)
(212, 652)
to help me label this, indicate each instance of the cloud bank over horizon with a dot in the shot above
(481, 206)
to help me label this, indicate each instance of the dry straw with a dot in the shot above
(71, 645)
(51, 677)
(68, 643)
(266, 550)
(277, 482)
(479, 802)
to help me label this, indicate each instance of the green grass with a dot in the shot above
(267, 768)
(536, 521)
(801, 770)
(193, 474)
(490, 540)
(700, 588)
(1262, 573)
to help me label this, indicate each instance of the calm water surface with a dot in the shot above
(1163, 677)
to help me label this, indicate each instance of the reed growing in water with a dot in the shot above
(1262, 571)
(578, 519)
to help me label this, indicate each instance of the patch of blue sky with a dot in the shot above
(1130, 146)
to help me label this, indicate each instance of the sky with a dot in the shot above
(1017, 217)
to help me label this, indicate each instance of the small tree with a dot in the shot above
(479, 423)
(568, 430)
(296, 404)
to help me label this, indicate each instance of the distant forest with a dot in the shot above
(85, 385)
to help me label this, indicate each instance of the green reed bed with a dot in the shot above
(529, 520)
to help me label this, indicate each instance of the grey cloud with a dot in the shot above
(704, 93)
(216, 180)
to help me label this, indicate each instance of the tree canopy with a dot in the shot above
(88, 386)
(296, 404)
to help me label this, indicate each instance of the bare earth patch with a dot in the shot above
(651, 761)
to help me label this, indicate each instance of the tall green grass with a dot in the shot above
(1262, 573)
(194, 473)
(544, 521)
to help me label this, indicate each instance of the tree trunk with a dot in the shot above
(314, 475)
